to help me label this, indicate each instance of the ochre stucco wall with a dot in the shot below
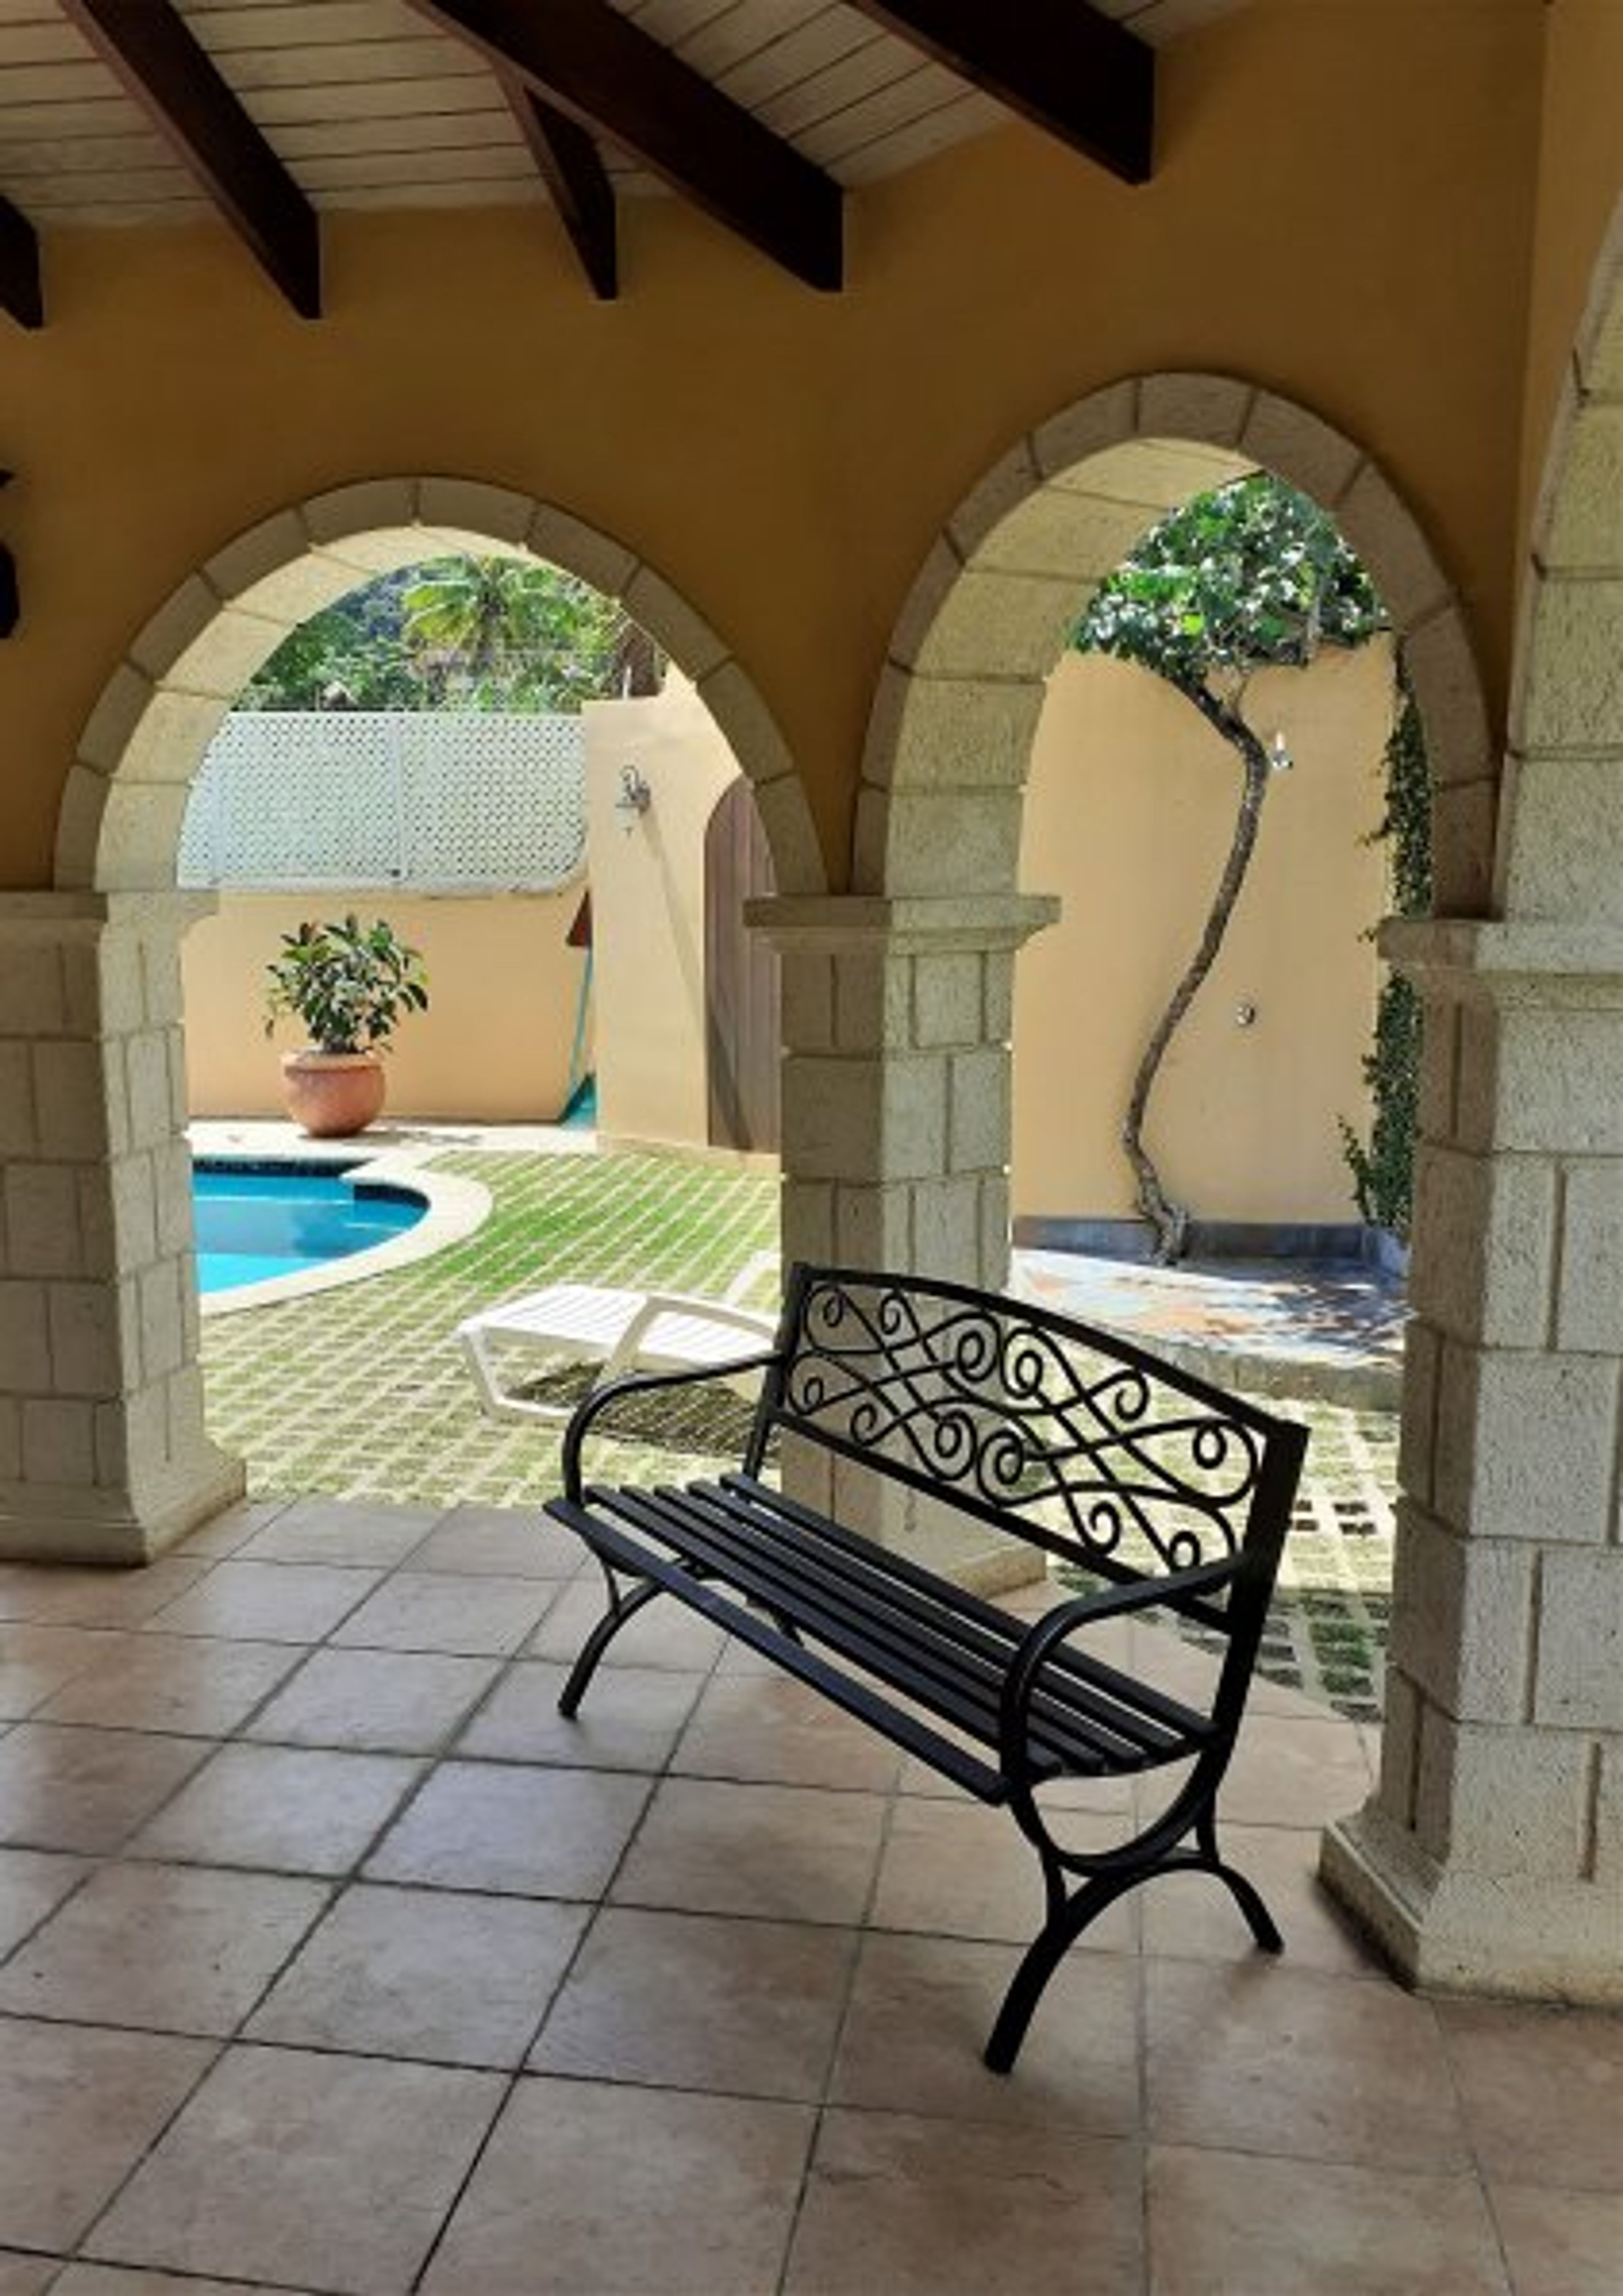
(1342, 210)
(647, 877)
(495, 1043)
(1130, 816)
(1580, 189)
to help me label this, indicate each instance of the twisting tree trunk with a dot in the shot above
(1170, 1220)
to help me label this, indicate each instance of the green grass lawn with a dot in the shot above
(362, 1392)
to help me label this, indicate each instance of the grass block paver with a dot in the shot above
(361, 1393)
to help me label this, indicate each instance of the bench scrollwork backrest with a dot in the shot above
(1074, 1439)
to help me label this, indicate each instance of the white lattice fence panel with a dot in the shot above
(470, 800)
(487, 801)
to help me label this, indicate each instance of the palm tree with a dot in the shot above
(513, 632)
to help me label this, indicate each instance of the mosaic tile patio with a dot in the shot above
(362, 1393)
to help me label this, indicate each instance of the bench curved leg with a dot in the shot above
(622, 1609)
(1073, 1914)
(1258, 1920)
(1044, 1956)
(1245, 1893)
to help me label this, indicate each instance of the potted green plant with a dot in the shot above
(350, 984)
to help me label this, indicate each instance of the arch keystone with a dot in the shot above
(1103, 419)
(1301, 448)
(469, 512)
(1212, 408)
(368, 505)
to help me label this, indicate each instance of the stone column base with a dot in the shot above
(1448, 1930)
(62, 1523)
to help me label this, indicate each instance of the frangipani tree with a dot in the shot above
(1248, 577)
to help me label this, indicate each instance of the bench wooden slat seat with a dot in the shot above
(1174, 1496)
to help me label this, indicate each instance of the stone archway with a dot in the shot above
(897, 999)
(1491, 1855)
(104, 1453)
(119, 824)
(950, 734)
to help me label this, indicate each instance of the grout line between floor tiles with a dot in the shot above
(87, 2230)
(861, 1930)
(588, 1928)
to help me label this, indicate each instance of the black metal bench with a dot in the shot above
(1174, 1495)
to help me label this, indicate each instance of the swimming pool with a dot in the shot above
(257, 1221)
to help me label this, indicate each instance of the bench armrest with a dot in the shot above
(609, 1391)
(1056, 1625)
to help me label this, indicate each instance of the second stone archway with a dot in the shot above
(897, 997)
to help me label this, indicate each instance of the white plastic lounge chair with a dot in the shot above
(617, 1331)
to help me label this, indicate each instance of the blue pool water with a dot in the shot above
(253, 1223)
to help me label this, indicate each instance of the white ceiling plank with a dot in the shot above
(445, 131)
(274, 109)
(48, 155)
(71, 81)
(886, 108)
(375, 170)
(969, 113)
(853, 79)
(226, 31)
(342, 87)
(823, 39)
(55, 42)
(525, 191)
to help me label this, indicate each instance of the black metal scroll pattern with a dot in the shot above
(981, 1399)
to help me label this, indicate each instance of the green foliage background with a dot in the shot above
(451, 634)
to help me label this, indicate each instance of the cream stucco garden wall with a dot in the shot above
(495, 1043)
(1128, 817)
(647, 878)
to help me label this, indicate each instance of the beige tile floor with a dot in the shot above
(330, 1960)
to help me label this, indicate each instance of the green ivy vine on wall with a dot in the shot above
(1383, 1168)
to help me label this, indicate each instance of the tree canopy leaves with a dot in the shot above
(1238, 578)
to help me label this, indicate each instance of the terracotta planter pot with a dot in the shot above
(331, 1094)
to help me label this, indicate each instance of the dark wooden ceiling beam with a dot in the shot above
(596, 67)
(147, 43)
(1059, 63)
(21, 292)
(568, 164)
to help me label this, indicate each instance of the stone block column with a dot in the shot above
(104, 1456)
(1490, 1857)
(897, 1019)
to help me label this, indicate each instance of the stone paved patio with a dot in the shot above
(361, 1393)
(330, 1960)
